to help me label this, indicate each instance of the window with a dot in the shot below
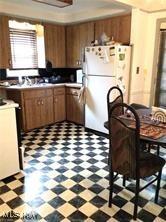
(23, 48)
(27, 47)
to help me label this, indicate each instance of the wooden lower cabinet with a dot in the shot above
(36, 107)
(59, 108)
(59, 104)
(32, 113)
(41, 107)
(47, 114)
(38, 112)
(75, 110)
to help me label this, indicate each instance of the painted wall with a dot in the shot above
(143, 33)
(150, 54)
(138, 41)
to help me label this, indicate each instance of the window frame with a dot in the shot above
(34, 47)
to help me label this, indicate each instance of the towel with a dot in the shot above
(81, 95)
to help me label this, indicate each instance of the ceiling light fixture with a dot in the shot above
(56, 3)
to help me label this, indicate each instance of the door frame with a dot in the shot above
(155, 61)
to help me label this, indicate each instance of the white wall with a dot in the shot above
(143, 33)
(151, 53)
(138, 41)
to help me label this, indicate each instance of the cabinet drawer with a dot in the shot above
(37, 93)
(59, 91)
(73, 91)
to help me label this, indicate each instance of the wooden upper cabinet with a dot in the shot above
(125, 29)
(73, 46)
(117, 27)
(5, 55)
(78, 37)
(54, 36)
(86, 36)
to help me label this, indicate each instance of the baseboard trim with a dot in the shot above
(96, 132)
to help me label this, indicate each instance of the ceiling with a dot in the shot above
(146, 5)
(79, 11)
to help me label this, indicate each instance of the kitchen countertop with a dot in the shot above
(9, 104)
(47, 85)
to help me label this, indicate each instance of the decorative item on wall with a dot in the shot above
(56, 3)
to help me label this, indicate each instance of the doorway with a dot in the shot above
(160, 94)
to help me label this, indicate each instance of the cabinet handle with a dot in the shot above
(77, 62)
(38, 102)
(42, 102)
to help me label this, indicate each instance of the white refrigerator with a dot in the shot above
(104, 67)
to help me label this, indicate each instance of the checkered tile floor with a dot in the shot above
(66, 179)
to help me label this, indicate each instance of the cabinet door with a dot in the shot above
(73, 46)
(54, 36)
(78, 111)
(78, 37)
(117, 27)
(86, 37)
(70, 108)
(74, 109)
(125, 29)
(47, 110)
(32, 113)
(103, 26)
(5, 55)
(59, 108)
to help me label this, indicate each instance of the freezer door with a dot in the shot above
(100, 61)
(96, 101)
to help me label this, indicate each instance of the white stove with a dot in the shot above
(9, 153)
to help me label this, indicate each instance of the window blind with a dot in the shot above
(23, 48)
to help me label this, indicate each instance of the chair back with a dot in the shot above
(124, 141)
(114, 96)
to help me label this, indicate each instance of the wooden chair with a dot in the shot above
(114, 96)
(126, 157)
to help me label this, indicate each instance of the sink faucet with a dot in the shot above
(27, 81)
(20, 80)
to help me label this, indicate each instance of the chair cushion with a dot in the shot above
(150, 164)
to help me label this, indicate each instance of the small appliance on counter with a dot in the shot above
(79, 76)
